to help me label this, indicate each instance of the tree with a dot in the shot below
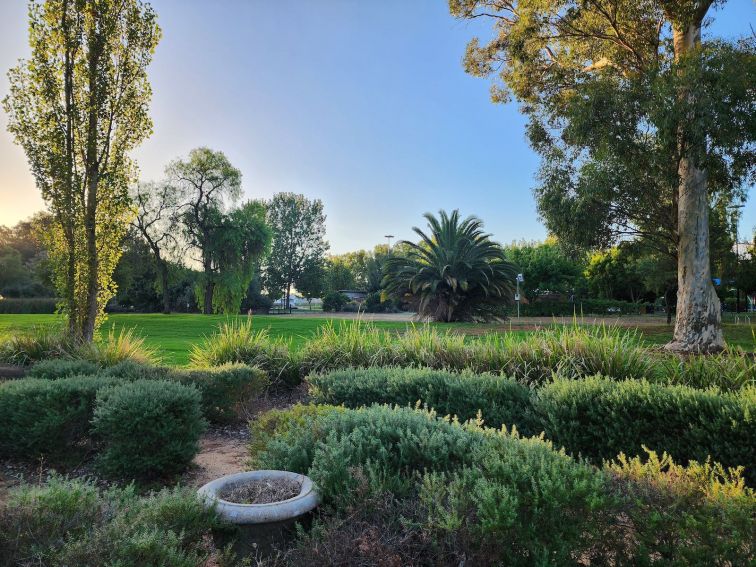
(311, 282)
(545, 267)
(235, 246)
(612, 274)
(455, 273)
(298, 226)
(208, 184)
(339, 274)
(639, 124)
(78, 107)
(157, 222)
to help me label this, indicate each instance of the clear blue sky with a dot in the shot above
(362, 103)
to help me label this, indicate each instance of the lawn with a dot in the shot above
(174, 335)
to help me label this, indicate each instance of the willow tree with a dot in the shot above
(78, 106)
(640, 126)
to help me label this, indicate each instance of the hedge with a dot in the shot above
(500, 401)
(147, 428)
(599, 418)
(580, 307)
(49, 418)
(36, 305)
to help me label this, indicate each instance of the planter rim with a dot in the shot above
(239, 513)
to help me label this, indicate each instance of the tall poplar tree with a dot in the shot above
(641, 126)
(78, 106)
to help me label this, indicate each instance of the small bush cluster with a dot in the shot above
(147, 428)
(599, 418)
(66, 522)
(497, 400)
(481, 495)
(595, 417)
(141, 428)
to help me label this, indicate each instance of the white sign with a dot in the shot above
(517, 297)
(520, 278)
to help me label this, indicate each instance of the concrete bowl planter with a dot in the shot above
(261, 526)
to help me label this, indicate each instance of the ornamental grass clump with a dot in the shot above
(237, 342)
(117, 347)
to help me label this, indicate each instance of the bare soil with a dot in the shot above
(263, 491)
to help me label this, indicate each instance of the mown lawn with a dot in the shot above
(174, 335)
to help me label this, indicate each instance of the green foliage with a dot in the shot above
(71, 522)
(455, 273)
(731, 370)
(682, 515)
(83, 95)
(49, 418)
(298, 245)
(15, 305)
(545, 267)
(580, 307)
(38, 344)
(497, 400)
(147, 428)
(226, 390)
(600, 418)
(613, 275)
(55, 368)
(238, 342)
(334, 301)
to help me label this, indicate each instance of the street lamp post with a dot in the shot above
(389, 237)
(520, 278)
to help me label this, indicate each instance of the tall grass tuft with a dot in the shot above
(730, 370)
(238, 342)
(39, 343)
(116, 348)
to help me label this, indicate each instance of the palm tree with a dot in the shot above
(455, 273)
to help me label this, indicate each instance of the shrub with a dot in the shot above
(147, 428)
(683, 515)
(524, 495)
(56, 368)
(600, 418)
(38, 305)
(237, 342)
(225, 389)
(131, 370)
(334, 301)
(730, 370)
(500, 401)
(66, 522)
(47, 417)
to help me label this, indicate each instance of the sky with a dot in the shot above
(361, 103)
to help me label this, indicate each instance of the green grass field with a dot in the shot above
(173, 335)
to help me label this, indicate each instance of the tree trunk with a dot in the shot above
(208, 307)
(698, 323)
(287, 305)
(163, 267)
(91, 307)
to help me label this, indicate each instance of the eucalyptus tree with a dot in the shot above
(298, 226)
(78, 106)
(208, 185)
(454, 273)
(640, 126)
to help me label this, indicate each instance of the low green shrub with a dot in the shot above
(580, 307)
(147, 428)
(66, 522)
(334, 301)
(499, 401)
(55, 368)
(694, 515)
(226, 390)
(49, 418)
(600, 418)
(237, 342)
(486, 496)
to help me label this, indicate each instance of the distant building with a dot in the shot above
(354, 294)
